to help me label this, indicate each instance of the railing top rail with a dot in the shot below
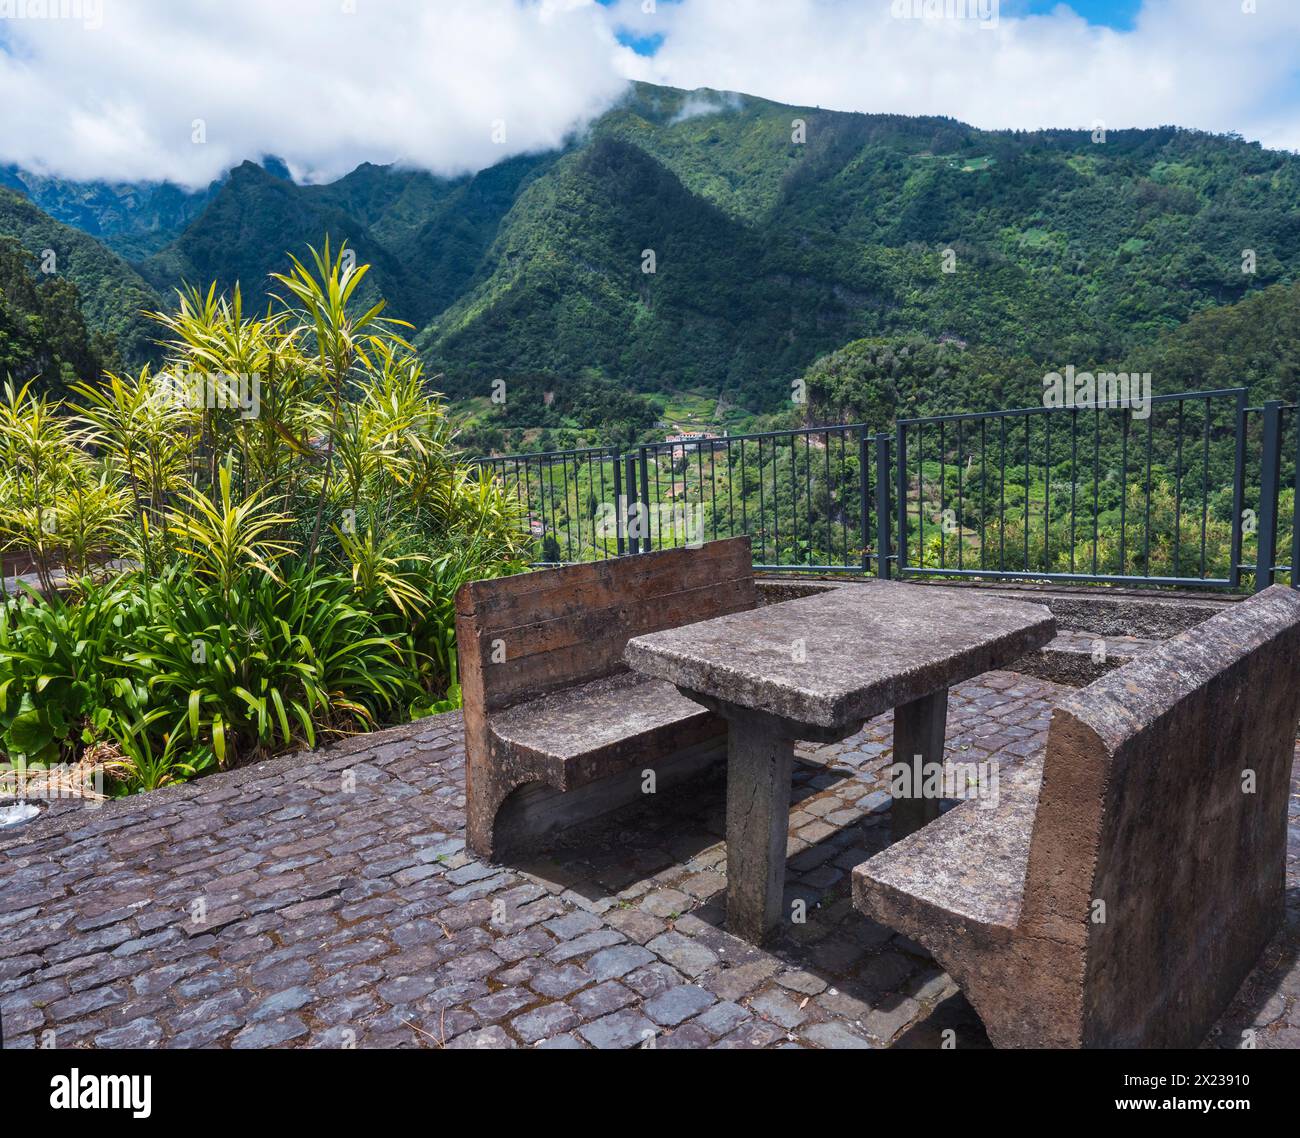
(664, 444)
(523, 455)
(1173, 397)
(761, 435)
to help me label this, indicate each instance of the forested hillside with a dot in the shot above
(719, 243)
(113, 296)
(42, 330)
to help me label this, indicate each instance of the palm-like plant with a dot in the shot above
(342, 339)
(141, 430)
(223, 538)
(55, 505)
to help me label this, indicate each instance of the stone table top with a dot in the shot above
(846, 655)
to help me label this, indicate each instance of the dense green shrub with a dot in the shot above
(255, 545)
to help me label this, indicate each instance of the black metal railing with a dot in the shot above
(1184, 490)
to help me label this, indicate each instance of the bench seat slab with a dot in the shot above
(969, 864)
(575, 736)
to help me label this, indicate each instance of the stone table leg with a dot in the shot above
(918, 730)
(760, 763)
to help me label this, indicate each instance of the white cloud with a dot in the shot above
(426, 81)
(1197, 63)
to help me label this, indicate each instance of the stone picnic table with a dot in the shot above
(816, 669)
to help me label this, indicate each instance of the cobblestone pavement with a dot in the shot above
(326, 900)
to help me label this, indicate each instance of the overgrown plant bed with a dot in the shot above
(295, 551)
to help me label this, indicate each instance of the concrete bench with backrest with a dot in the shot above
(1126, 882)
(557, 729)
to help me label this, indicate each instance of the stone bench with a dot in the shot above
(1126, 881)
(557, 729)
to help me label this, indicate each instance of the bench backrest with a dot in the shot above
(523, 636)
(1159, 845)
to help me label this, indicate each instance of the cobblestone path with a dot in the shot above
(326, 900)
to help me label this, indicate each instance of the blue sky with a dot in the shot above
(1117, 14)
(1106, 13)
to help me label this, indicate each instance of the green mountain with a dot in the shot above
(771, 252)
(43, 334)
(779, 234)
(132, 219)
(113, 295)
(246, 228)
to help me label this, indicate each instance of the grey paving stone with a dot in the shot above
(683, 952)
(620, 1030)
(560, 982)
(287, 1000)
(488, 1039)
(688, 1036)
(565, 1042)
(549, 1019)
(139, 1033)
(677, 1004)
(835, 1037)
(723, 1017)
(502, 1003)
(608, 996)
(779, 1008)
(885, 1022)
(271, 1033)
(610, 963)
(652, 979)
(572, 925)
(802, 982)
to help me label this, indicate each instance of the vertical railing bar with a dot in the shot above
(1239, 490)
(1028, 419)
(1295, 510)
(1123, 487)
(961, 503)
(862, 496)
(943, 504)
(633, 504)
(568, 540)
(1146, 540)
(545, 497)
(1178, 495)
(882, 505)
(920, 494)
(984, 492)
(830, 541)
(699, 468)
(1074, 482)
(744, 498)
(731, 498)
(810, 527)
(844, 513)
(646, 512)
(1270, 470)
(1205, 489)
(1096, 481)
(794, 504)
(713, 485)
(900, 478)
(1047, 497)
(620, 522)
(1002, 494)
